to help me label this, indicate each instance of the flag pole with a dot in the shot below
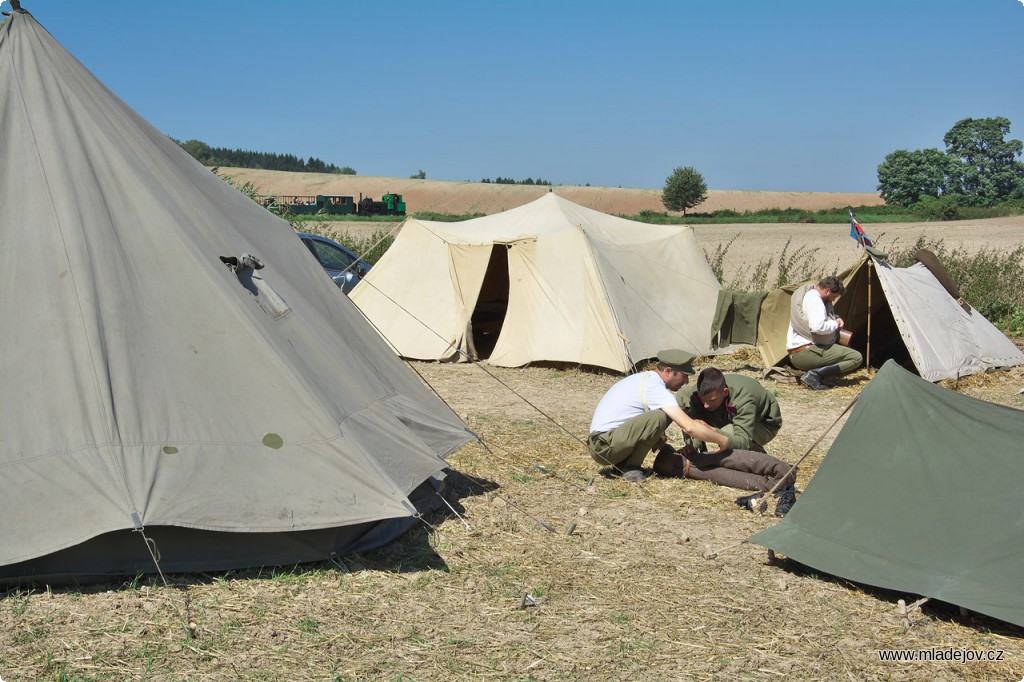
(867, 352)
(862, 240)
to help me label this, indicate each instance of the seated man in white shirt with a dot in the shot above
(811, 340)
(633, 415)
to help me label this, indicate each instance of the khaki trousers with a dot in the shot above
(816, 357)
(629, 443)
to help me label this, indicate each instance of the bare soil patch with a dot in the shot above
(618, 578)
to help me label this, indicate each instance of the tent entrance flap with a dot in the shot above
(491, 305)
(886, 341)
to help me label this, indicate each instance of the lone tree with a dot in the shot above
(684, 189)
(991, 170)
(906, 177)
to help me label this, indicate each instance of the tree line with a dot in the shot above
(509, 181)
(244, 158)
(979, 167)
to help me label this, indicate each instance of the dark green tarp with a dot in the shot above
(920, 493)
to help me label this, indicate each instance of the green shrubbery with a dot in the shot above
(769, 273)
(990, 280)
(445, 217)
(937, 208)
(369, 249)
(944, 208)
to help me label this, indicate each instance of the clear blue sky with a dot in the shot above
(801, 95)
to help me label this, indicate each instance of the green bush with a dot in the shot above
(369, 249)
(937, 208)
(648, 214)
(446, 217)
(990, 280)
(790, 268)
(655, 218)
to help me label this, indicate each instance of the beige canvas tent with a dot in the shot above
(547, 281)
(234, 416)
(914, 321)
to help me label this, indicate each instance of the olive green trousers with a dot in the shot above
(629, 443)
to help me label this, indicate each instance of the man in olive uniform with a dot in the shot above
(740, 409)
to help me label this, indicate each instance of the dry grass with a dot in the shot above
(629, 593)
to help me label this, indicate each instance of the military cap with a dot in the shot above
(679, 360)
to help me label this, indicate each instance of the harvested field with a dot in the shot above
(832, 250)
(463, 198)
(630, 593)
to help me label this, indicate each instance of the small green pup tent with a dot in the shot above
(918, 494)
(155, 383)
(547, 281)
(914, 320)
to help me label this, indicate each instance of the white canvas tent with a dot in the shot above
(914, 321)
(237, 417)
(548, 281)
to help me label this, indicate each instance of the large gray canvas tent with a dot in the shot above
(235, 416)
(919, 494)
(914, 320)
(548, 281)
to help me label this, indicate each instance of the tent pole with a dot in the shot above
(824, 433)
(867, 354)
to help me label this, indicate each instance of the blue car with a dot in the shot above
(344, 267)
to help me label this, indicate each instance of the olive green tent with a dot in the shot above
(918, 494)
(913, 320)
(154, 382)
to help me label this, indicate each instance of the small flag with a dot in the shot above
(857, 232)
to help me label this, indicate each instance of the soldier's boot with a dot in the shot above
(812, 380)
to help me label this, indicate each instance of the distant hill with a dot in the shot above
(461, 198)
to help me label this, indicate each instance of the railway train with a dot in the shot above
(335, 204)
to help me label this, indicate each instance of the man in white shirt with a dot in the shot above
(813, 332)
(633, 415)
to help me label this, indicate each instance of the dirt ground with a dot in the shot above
(550, 571)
